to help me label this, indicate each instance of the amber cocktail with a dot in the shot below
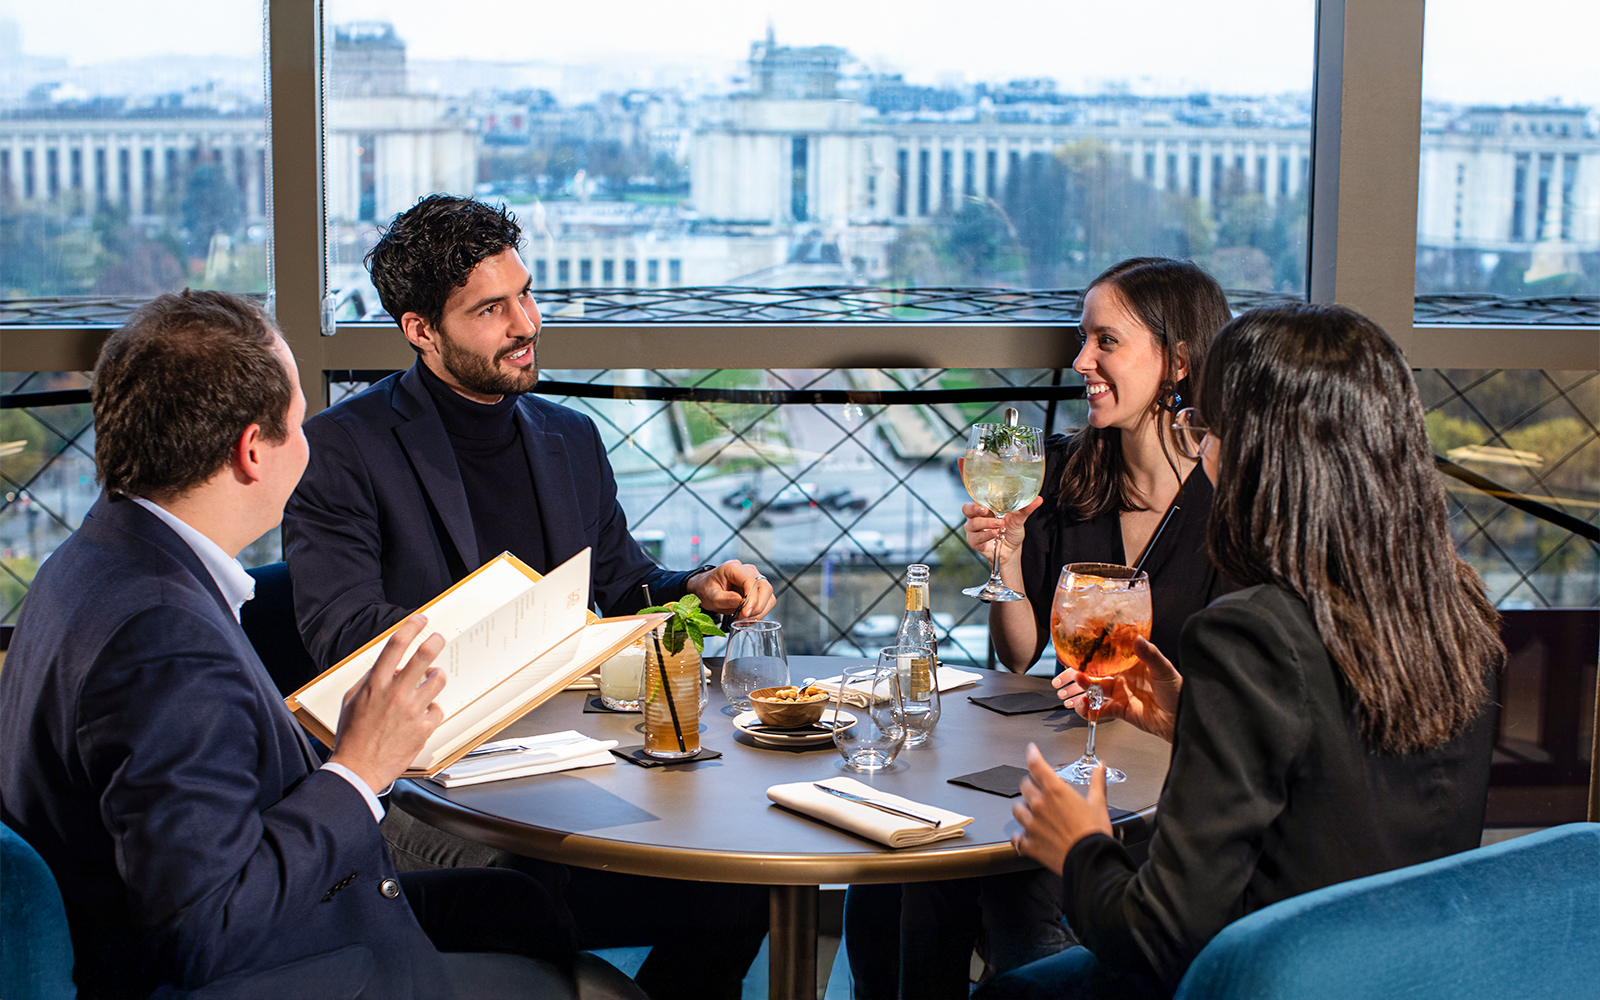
(1099, 610)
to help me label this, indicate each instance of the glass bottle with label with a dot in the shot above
(917, 679)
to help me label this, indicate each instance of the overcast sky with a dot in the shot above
(1478, 50)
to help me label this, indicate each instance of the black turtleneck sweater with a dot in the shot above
(501, 492)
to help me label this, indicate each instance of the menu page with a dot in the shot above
(548, 671)
(494, 623)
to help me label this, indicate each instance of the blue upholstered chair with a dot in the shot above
(1517, 919)
(35, 946)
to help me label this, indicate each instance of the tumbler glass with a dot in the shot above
(874, 741)
(755, 659)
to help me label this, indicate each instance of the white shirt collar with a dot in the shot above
(236, 585)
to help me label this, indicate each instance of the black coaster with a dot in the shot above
(1020, 703)
(636, 755)
(596, 705)
(1004, 779)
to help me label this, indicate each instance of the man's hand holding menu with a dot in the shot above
(508, 639)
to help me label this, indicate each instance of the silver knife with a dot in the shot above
(877, 804)
(482, 752)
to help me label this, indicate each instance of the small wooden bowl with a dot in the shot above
(786, 714)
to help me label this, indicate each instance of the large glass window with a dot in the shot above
(132, 158)
(1508, 210)
(1532, 433)
(830, 144)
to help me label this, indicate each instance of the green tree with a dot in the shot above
(212, 205)
(982, 248)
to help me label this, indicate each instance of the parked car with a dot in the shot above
(742, 498)
(795, 496)
(844, 499)
(876, 627)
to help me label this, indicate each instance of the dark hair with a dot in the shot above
(430, 249)
(1181, 304)
(1327, 489)
(176, 386)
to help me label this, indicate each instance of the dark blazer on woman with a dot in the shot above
(1272, 792)
(1182, 579)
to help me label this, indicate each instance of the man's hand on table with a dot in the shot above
(388, 717)
(1054, 816)
(736, 588)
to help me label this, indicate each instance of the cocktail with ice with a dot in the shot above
(1099, 610)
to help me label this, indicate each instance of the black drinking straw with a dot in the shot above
(666, 687)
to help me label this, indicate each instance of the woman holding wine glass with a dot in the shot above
(1117, 491)
(1333, 719)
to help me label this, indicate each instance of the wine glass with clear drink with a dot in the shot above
(1098, 612)
(1002, 470)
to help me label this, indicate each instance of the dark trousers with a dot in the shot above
(501, 934)
(702, 935)
(492, 909)
(915, 941)
(1073, 974)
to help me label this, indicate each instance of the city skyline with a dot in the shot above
(1523, 60)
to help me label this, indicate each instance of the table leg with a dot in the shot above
(792, 946)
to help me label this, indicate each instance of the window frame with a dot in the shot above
(1367, 96)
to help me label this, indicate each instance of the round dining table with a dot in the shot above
(711, 820)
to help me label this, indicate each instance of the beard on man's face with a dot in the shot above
(476, 373)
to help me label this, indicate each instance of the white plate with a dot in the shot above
(777, 738)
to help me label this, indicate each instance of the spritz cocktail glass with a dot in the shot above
(1098, 612)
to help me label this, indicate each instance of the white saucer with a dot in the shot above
(777, 738)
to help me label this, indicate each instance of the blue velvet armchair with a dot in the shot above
(1516, 919)
(35, 945)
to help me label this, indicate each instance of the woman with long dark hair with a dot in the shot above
(1333, 718)
(1118, 491)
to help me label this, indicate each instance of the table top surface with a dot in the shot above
(712, 821)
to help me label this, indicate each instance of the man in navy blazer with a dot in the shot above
(149, 758)
(428, 474)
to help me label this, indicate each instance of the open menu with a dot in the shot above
(512, 639)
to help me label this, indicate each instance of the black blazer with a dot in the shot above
(1272, 792)
(380, 524)
(146, 754)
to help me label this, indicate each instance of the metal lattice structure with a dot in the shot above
(1534, 432)
(852, 304)
(704, 481)
(1501, 310)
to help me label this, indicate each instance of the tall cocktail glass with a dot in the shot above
(670, 693)
(1002, 470)
(1099, 610)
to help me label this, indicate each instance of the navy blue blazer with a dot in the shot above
(380, 524)
(147, 755)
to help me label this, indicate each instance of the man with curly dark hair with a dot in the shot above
(421, 479)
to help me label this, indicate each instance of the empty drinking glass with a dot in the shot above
(755, 659)
(879, 733)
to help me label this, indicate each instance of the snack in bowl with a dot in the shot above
(789, 707)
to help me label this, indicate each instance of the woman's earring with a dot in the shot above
(1167, 397)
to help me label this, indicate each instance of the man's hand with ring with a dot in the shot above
(734, 588)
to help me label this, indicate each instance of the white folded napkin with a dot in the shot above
(874, 824)
(551, 752)
(588, 682)
(948, 679)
